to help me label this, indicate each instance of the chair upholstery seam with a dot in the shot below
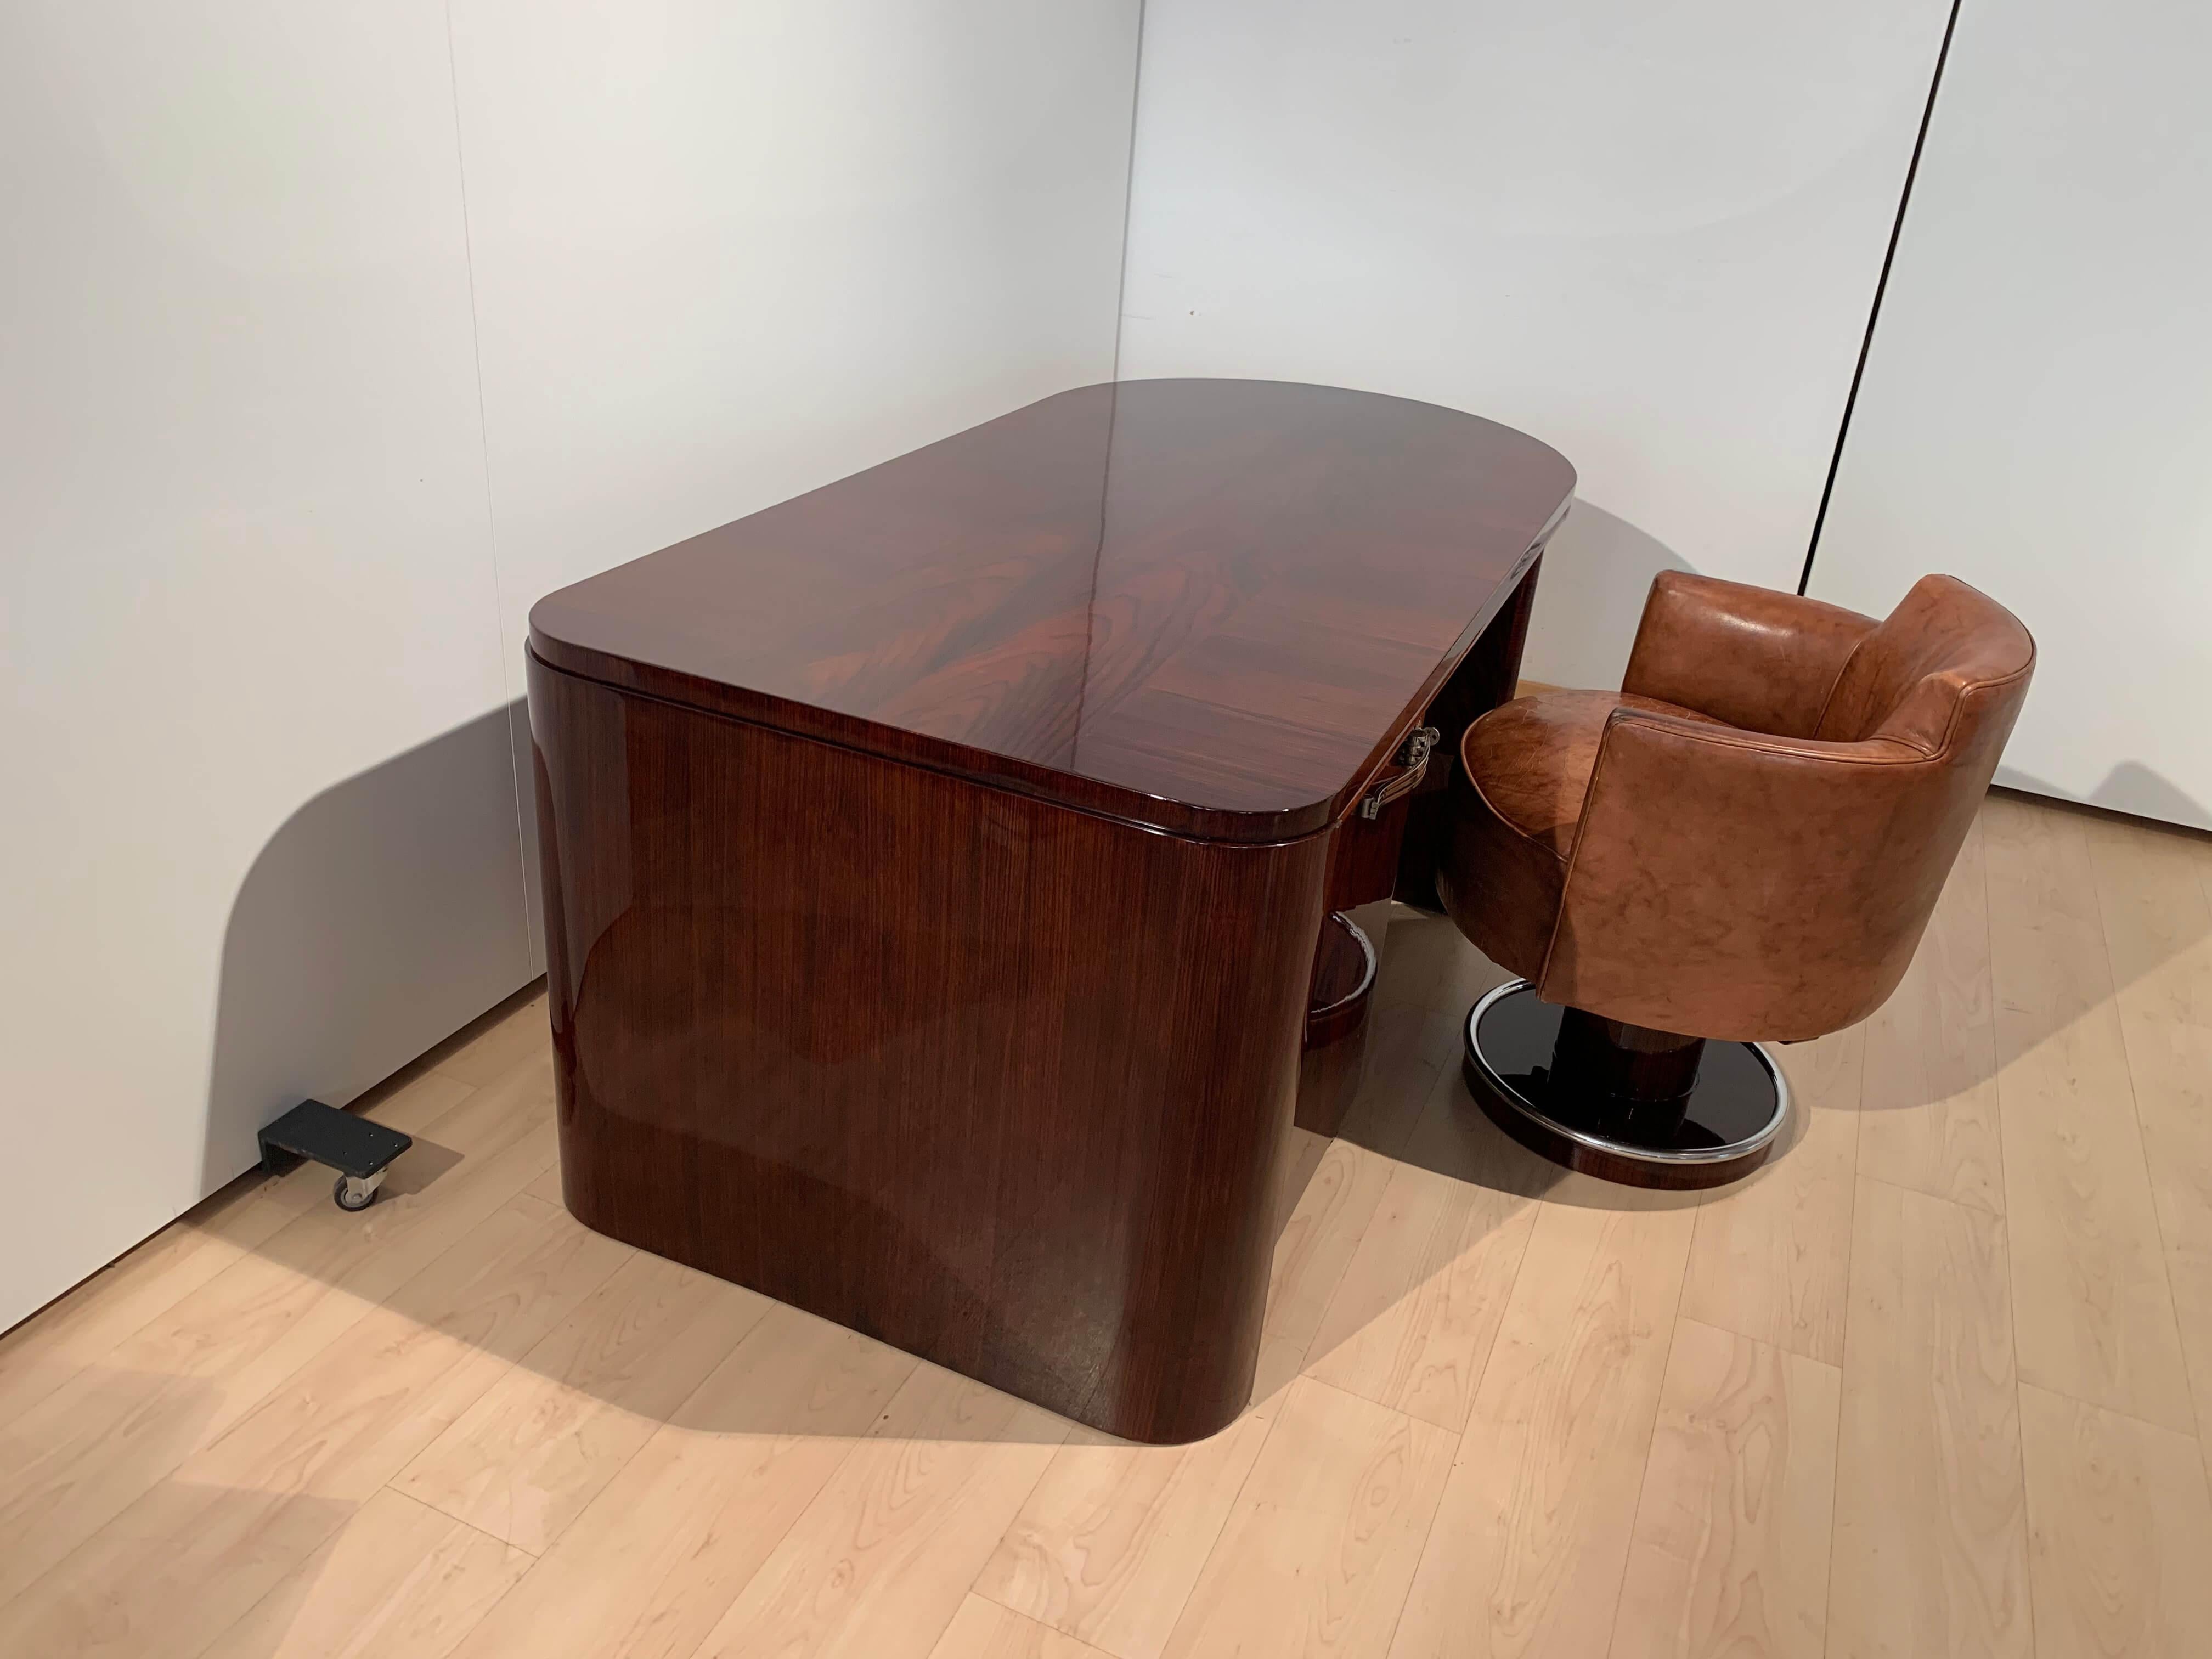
(1974, 687)
(1721, 738)
(1508, 822)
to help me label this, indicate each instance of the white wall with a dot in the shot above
(270, 536)
(2036, 410)
(724, 254)
(245, 564)
(1649, 235)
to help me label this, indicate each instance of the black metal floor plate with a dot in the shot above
(351, 1144)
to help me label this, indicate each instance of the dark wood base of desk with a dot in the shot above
(1007, 1084)
(1001, 1083)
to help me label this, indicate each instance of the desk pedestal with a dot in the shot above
(1001, 1083)
(1006, 1083)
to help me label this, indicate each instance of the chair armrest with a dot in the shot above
(1726, 884)
(1750, 656)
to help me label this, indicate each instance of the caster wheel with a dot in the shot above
(352, 1195)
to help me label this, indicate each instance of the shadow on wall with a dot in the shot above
(1596, 572)
(386, 913)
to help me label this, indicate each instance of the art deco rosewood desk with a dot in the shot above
(937, 866)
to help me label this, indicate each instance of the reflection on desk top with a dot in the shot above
(1209, 606)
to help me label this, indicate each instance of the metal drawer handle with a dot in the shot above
(1421, 744)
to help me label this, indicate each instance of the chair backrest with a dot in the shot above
(1945, 672)
(1776, 889)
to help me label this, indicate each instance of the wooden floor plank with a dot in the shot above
(396, 1581)
(82, 1329)
(984, 1629)
(2157, 924)
(2151, 898)
(1730, 1553)
(882, 1559)
(1454, 1136)
(1430, 977)
(1527, 1552)
(1930, 1093)
(220, 1445)
(1772, 1254)
(519, 1038)
(2120, 1529)
(77, 1458)
(1108, 1545)
(523, 1462)
(1930, 1551)
(655, 1560)
(189, 1557)
(2092, 1307)
(1319, 1241)
(1413, 1316)
(1324, 1538)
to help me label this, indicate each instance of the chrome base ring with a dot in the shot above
(1727, 1126)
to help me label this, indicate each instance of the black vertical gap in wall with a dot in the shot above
(1881, 287)
(1129, 188)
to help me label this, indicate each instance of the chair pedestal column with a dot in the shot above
(1624, 1102)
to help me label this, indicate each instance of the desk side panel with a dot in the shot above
(1005, 1084)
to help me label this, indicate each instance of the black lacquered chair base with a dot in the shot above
(1645, 1108)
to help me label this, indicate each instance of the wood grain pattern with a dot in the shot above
(61, 1342)
(887, 1069)
(2152, 901)
(2095, 1310)
(213, 1450)
(2120, 1532)
(2151, 886)
(1412, 1321)
(1319, 1241)
(540, 1443)
(1323, 1540)
(1930, 1095)
(192, 1555)
(1730, 1555)
(1213, 606)
(1930, 1527)
(657, 1557)
(1772, 1254)
(984, 1629)
(486, 1055)
(879, 1564)
(1108, 1545)
(396, 1581)
(79, 1456)
(898, 1071)
(1528, 1548)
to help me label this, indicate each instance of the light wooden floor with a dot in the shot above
(1939, 1382)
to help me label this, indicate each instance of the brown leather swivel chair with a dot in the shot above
(1744, 844)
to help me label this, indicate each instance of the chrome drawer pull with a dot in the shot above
(1421, 744)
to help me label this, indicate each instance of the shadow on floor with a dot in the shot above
(1413, 1107)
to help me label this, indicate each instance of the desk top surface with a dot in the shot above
(1211, 607)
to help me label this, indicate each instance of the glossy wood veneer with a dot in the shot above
(1211, 607)
(1002, 1083)
(934, 864)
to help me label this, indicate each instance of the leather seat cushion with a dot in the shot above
(1525, 768)
(1531, 759)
